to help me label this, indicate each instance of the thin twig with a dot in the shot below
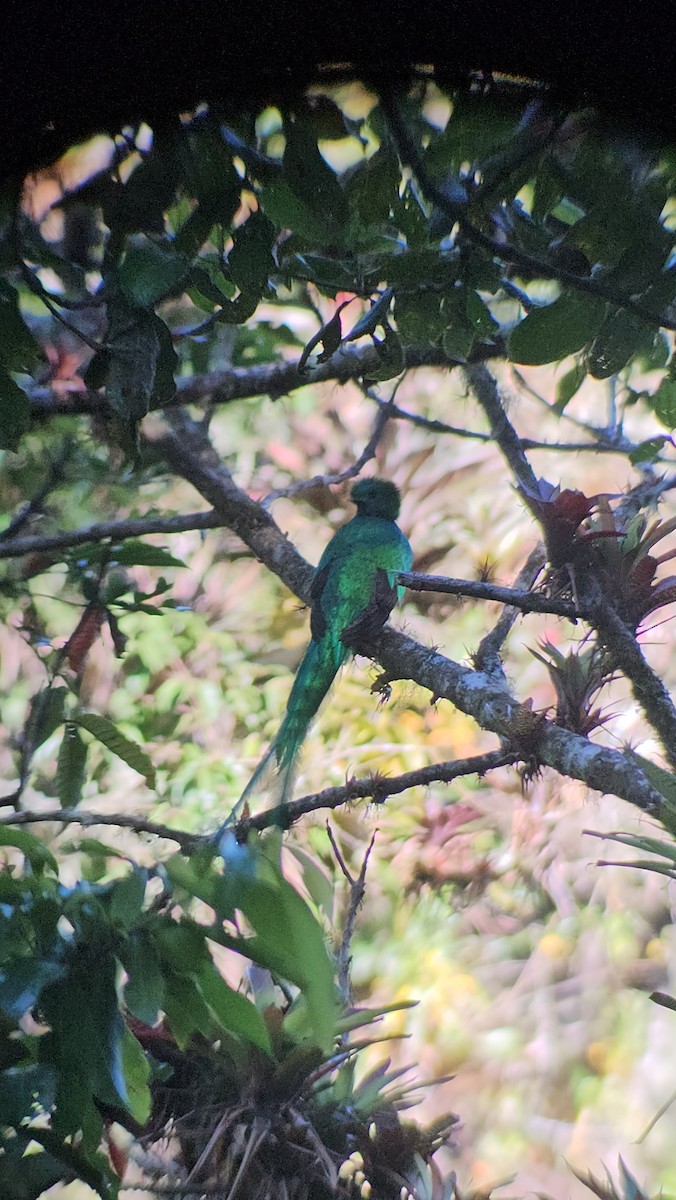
(274, 380)
(485, 389)
(432, 425)
(369, 452)
(525, 601)
(357, 892)
(376, 787)
(76, 816)
(115, 531)
(648, 688)
(487, 656)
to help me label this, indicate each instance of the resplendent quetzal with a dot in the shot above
(353, 591)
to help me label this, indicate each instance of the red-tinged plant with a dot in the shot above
(577, 677)
(560, 515)
(626, 569)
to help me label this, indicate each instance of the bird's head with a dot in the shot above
(377, 498)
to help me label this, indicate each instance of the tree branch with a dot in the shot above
(648, 689)
(473, 692)
(526, 733)
(485, 389)
(77, 816)
(274, 380)
(525, 601)
(116, 531)
(375, 787)
(189, 453)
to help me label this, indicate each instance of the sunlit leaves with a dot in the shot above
(71, 763)
(663, 403)
(549, 334)
(250, 261)
(137, 366)
(150, 271)
(621, 336)
(309, 176)
(14, 412)
(105, 732)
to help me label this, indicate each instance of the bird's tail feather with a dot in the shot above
(313, 680)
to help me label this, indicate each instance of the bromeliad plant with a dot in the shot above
(577, 677)
(113, 1013)
(626, 568)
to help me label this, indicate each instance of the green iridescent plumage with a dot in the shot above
(353, 589)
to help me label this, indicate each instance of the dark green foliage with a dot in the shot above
(227, 219)
(517, 232)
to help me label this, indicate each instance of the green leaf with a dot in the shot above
(373, 189)
(458, 339)
(549, 334)
(142, 554)
(109, 735)
(311, 179)
(144, 989)
(289, 211)
(288, 939)
(420, 319)
(647, 451)
(250, 261)
(22, 982)
(329, 335)
(27, 1177)
(547, 189)
(568, 385)
(234, 1012)
(331, 275)
(95, 847)
(126, 554)
(35, 851)
(663, 403)
(390, 357)
(70, 767)
(181, 945)
(127, 896)
(655, 355)
(140, 360)
(89, 1038)
(211, 174)
(459, 334)
(19, 348)
(152, 270)
(620, 337)
(479, 316)
(14, 412)
(319, 884)
(23, 1089)
(186, 1011)
(376, 315)
(136, 1073)
(193, 876)
(46, 714)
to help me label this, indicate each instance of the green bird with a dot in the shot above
(352, 594)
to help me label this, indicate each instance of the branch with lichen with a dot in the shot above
(524, 733)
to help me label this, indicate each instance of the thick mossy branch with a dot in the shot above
(476, 693)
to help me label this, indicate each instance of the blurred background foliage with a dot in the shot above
(532, 967)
